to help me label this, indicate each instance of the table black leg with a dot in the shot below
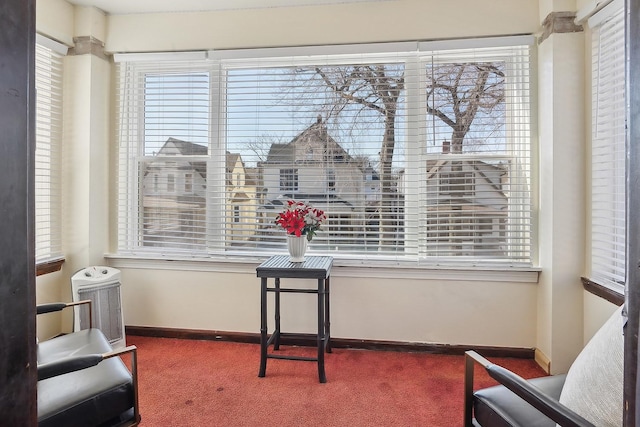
(321, 311)
(263, 327)
(327, 316)
(276, 340)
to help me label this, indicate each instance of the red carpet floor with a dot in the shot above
(212, 383)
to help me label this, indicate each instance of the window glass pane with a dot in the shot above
(173, 162)
(176, 105)
(316, 134)
(477, 131)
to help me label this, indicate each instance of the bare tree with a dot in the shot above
(456, 93)
(378, 88)
(260, 146)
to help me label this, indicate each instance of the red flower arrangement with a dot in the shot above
(300, 219)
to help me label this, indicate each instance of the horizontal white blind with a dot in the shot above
(478, 168)
(165, 110)
(313, 131)
(48, 75)
(608, 226)
(213, 150)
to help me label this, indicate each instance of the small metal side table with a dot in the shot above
(279, 267)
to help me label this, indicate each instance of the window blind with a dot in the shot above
(478, 154)
(608, 226)
(48, 81)
(165, 127)
(212, 150)
(327, 130)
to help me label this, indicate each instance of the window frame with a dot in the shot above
(215, 210)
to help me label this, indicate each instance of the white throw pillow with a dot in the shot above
(594, 384)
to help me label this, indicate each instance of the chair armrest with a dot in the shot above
(550, 407)
(50, 307)
(67, 365)
(77, 363)
(58, 306)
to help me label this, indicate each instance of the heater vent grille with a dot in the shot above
(107, 312)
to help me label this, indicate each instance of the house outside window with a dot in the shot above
(391, 189)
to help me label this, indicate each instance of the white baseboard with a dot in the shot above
(542, 360)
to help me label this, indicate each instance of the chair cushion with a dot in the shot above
(594, 385)
(89, 397)
(499, 407)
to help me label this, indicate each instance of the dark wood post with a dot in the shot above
(17, 267)
(632, 298)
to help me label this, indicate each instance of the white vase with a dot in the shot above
(297, 246)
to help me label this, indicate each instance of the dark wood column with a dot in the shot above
(632, 298)
(17, 267)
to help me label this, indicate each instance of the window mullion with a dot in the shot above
(415, 166)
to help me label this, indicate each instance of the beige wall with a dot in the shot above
(55, 19)
(454, 307)
(366, 303)
(328, 24)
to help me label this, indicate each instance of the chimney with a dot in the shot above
(446, 147)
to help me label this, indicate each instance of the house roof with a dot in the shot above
(327, 202)
(184, 148)
(178, 147)
(314, 144)
(232, 159)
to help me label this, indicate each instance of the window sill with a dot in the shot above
(49, 266)
(602, 291)
(341, 268)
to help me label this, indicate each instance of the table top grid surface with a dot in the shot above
(279, 266)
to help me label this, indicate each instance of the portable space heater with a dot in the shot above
(101, 285)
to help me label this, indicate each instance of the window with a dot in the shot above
(417, 152)
(331, 180)
(608, 224)
(188, 183)
(49, 56)
(289, 180)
